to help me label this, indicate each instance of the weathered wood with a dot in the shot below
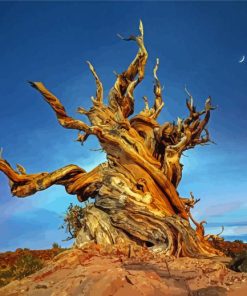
(135, 191)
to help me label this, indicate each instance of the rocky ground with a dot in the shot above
(96, 271)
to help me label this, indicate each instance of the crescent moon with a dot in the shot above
(242, 59)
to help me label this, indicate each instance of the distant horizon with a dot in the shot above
(198, 44)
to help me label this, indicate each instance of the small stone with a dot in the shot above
(40, 286)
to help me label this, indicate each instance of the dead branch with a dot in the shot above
(99, 86)
(122, 92)
(65, 120)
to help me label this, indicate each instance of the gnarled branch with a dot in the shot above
(99, 86)
(215, 237)
(75, 179)
(122, 92)
(65, 120)
(158, 103)
(154, 112)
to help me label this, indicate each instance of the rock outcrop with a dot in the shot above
(128, 270)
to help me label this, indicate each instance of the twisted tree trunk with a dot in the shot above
(135, 191)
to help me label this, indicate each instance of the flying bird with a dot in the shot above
(242, 59)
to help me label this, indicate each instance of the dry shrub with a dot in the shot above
(25, 265)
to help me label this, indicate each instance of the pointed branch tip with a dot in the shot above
(141, 28)
(21, 169)
(120, 36)
(99, 86)
(187, 92)
(90, 65)
(32, 83)
(132, 37)
(156, 68)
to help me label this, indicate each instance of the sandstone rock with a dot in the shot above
(95, 271)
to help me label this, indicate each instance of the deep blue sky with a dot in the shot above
(199, 44)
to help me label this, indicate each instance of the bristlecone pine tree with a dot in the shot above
(135, 190)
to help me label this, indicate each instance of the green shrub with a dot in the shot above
(238, 241)
(73, 220)
(56, 246)
(25, 265)
(5, 277)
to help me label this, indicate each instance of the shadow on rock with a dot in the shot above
(239, 263)
(210, 291)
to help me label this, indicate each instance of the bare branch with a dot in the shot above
(82, 138)
(158, 103)
(128, 100)
(117, 95)
(190, 202)
(205, 120)
(21, 169)
(179, 124)
(99, 86)
(215, 237)
(146, 103)
(75, 179)
(200, 231)
(96, 150)
(63, 118)
(190, 103)
(82, 111)
(222, 230)
(154, 112)
(24, 184)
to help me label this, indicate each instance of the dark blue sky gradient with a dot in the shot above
(199, 44)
